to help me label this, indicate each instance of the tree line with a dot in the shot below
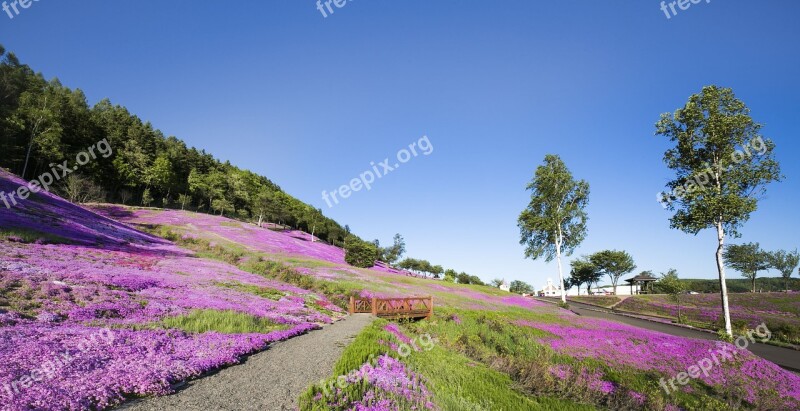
(43, 122)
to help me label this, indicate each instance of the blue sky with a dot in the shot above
(310, 101)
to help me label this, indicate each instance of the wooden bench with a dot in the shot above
(393, 308)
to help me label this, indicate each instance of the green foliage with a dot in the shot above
(396, 250)
(785, 262)
(722, 163)
(748, 259)
(520, 287)
(227, 322)
(672, 285)
(613, 263)
(450, 275)
(584, 272)
(147, 198)
(361, 254)
(555, 221)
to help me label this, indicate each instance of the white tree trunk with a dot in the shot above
(560, 273)
(722, 286)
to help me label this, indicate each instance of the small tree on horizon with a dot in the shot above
(396, 250)
(554, 223)
(613, 263)
(785, 262)
(674, 287)
(747, 259)
(717, 182)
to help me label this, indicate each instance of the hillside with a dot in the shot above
(94, 311)
(135, 313)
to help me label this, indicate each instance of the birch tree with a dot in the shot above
(554, 223)
(722, 165)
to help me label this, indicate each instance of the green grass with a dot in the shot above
(263, 292)
(29, 236)
(457, 384)
(600, 301)
(226, 322)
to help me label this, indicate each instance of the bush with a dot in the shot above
(361, 254)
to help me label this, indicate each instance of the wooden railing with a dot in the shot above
(393, 308)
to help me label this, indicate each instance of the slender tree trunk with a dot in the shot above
(754, 283)
(723, 287)
(560, 273)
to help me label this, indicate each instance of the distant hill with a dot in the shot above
(742, 285)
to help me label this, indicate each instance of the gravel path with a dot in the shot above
(270, 380)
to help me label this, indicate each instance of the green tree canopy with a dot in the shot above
(614, 264)
(584, 272)
(785, 262)
(722, 165)
(520, 287)
(748, 259)
(554, 223)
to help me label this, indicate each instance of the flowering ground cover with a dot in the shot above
(93, 311)
(249, 246)
(604, 363)
(490, 334)
(780, 311)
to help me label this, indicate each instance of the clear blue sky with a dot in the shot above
(309, 101)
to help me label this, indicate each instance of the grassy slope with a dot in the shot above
(497, 343)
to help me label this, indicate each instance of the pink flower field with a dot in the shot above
(94, 312)
(68, 275)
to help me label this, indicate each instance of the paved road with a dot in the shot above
(270, 380)
(785, 357)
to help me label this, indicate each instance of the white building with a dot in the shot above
(550, 290)
(605, 290)
(504, 286)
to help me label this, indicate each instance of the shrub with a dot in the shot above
(361, 254)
